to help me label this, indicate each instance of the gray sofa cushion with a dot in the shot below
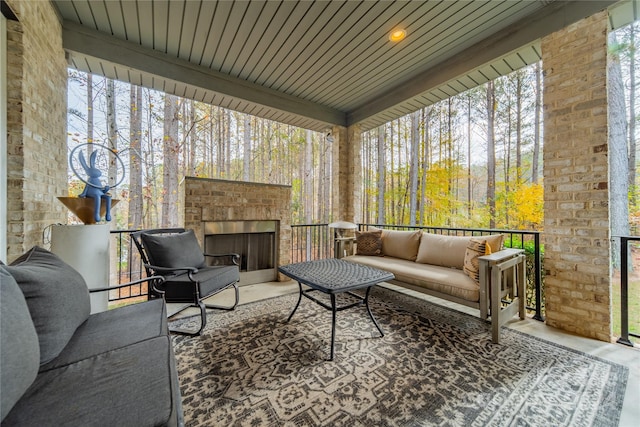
(113, 329)
(57, 296)
(173, 250)
(19, 350)
(128, 386)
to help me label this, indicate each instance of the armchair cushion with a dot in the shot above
(208, 279)
(173, 250)
(19, 349)
(57, 297)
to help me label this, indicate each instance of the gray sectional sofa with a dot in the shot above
(471, 270)
(61, 366)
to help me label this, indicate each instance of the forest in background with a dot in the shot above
(472, 160)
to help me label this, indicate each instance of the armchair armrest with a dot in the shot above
(152, 279)
(235, 258)
(171, 270)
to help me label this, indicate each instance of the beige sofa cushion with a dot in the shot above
(445, 280)
(449, 251)
(446, 251)
(494, 241)
(401, 244)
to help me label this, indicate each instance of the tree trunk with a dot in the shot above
(246, 154)
(90, 137)
(536, 132)
(135, 158)
(618, 156)
(112, 129)
(308, 178)
(425, 164)
(381, 174)
(469, 199)
(413, 167)
(170, 151)
(491, 155)
(518, 127)
(633, 199)
(193, 139)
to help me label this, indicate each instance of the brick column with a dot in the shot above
(346, 173)
(36, 124)
(576, 210)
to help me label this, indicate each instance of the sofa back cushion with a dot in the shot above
(57, 297)
(449, 251)
(19, 349)
(173, 250)
(443, 250)
(494, 242)
(401, 244)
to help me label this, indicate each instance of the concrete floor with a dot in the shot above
(623, 355)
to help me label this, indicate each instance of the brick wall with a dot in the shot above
(221, 200)
(346, 174)
(576, 226)
(36, 124)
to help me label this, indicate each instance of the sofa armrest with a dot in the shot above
(502, 274)
(500, 256)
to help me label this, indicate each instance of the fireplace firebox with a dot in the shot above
(255, 241)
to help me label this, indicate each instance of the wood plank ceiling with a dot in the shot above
(312, 64)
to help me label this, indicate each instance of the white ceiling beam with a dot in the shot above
(78, 39)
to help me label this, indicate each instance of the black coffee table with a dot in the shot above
(333, 276)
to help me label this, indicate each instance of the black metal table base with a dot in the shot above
(334, 309)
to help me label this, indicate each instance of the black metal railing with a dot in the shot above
(624, 290)
(125, 267)
(310, 241)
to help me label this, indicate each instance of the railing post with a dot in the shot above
(537, 275)
(624, 290)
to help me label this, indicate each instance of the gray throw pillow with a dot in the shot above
(173, 250)
(57, 296)
(19, 350)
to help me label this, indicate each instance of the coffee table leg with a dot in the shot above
(366, 303)
(334, 310)
(298, 303)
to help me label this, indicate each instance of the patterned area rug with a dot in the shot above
(434, 366)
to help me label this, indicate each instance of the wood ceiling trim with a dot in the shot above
(91, 43)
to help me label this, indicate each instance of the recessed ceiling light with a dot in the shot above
(397, 35)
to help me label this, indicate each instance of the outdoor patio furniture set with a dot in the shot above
(471, 270)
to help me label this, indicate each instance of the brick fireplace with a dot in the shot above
(249, 218)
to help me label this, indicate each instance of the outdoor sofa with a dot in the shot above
(61, 366)
(471, 270)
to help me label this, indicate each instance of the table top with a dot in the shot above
(335, 275)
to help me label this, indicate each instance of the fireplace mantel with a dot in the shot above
(215, 200)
